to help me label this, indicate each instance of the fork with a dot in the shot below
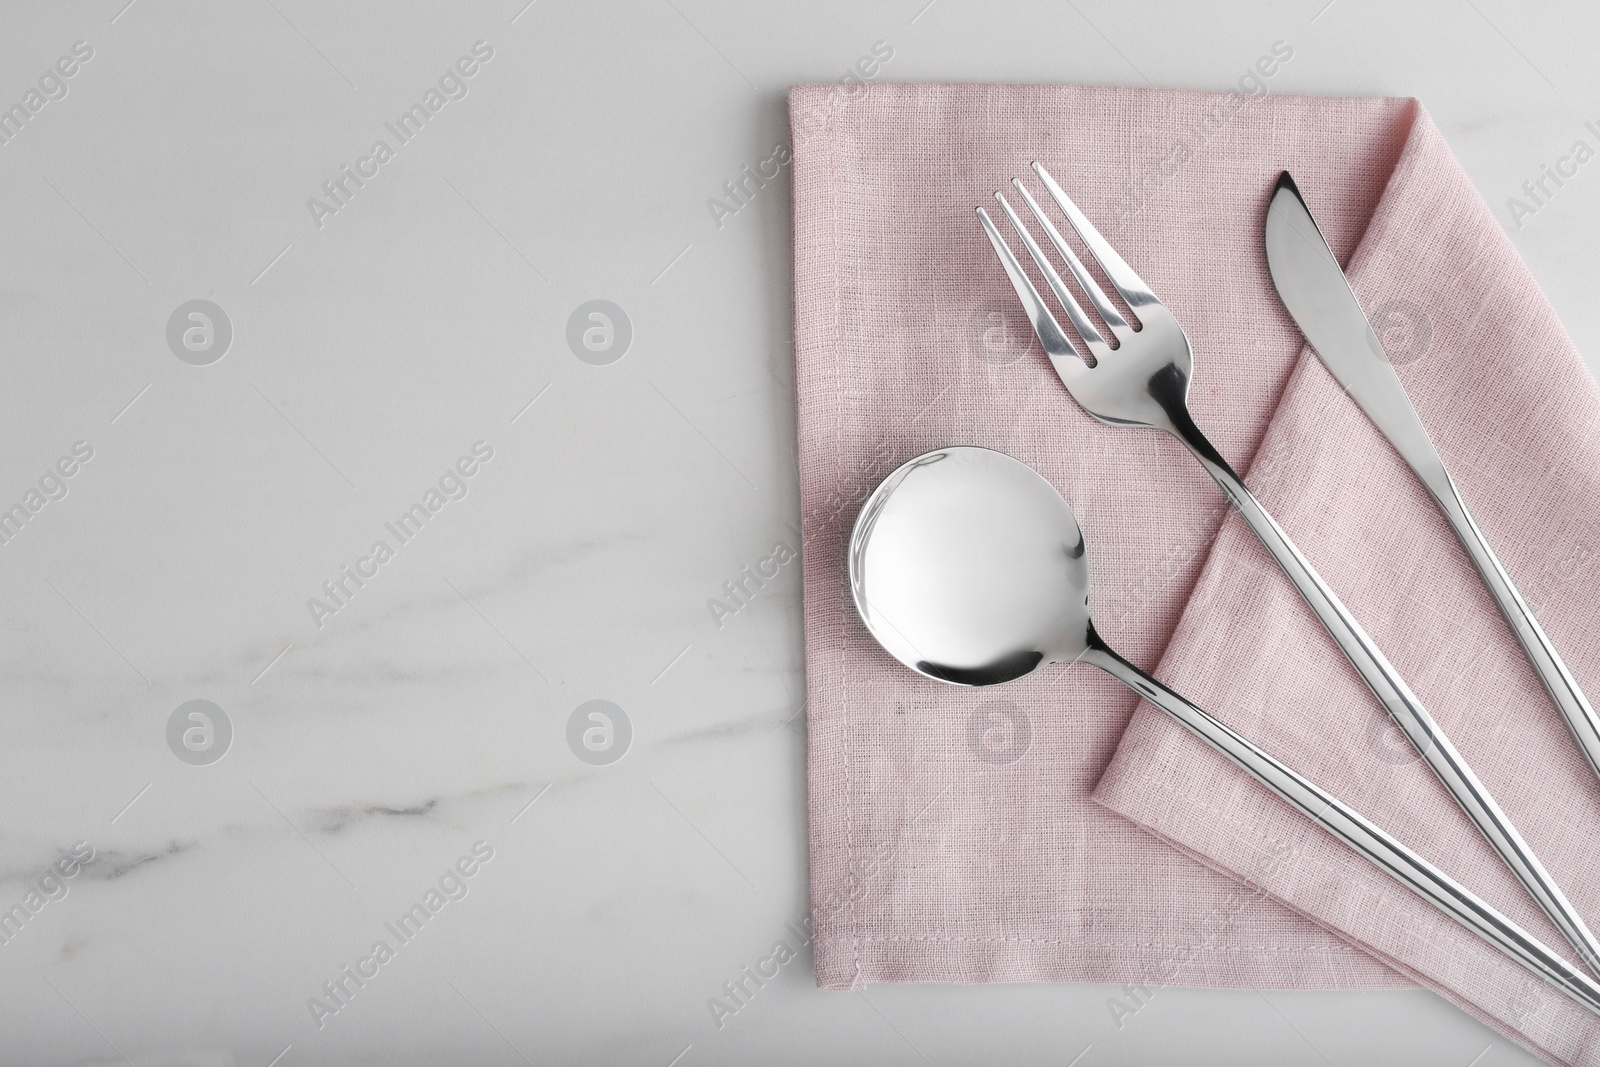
(1144, 381)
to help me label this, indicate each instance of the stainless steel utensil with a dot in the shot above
(1322, 304)
(1144, 381)
(969, 567)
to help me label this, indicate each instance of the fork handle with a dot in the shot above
(1386, 853)
(1553, 672)
(1403, 706)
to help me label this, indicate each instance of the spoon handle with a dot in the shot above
(1405, 866)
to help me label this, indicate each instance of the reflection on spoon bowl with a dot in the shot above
(969, 567)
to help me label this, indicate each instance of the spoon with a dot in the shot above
(968, 567)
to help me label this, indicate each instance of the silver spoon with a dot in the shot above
(969, 567)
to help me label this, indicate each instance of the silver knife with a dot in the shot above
(1322, 304)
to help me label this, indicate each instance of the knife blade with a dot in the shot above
(1319, 299)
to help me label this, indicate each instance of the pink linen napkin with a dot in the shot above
(955, 833)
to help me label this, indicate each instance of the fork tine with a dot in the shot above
(1096, 344)
(1108, 312)
(1044, 323)
(1128, 283)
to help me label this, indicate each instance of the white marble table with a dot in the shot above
(404, 735)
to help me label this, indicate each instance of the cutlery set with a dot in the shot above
(968, 567)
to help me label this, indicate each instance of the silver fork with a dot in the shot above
(1144, 381)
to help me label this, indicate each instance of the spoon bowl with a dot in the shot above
(969, 567)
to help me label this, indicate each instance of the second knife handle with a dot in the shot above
(1547, 663)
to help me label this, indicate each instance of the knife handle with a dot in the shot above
(1403, 706)
(1552, 671)
(1386, 853)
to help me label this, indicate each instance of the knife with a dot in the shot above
(1322, 304)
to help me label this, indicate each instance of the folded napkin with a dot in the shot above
(1516, 414)
(985, 835)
